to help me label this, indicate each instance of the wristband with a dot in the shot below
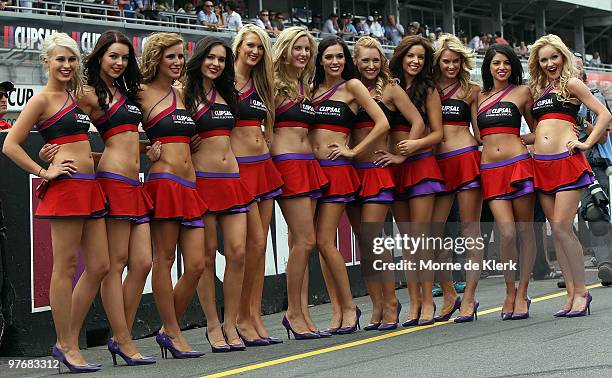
(40, 170)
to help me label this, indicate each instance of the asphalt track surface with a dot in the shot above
(538, 346)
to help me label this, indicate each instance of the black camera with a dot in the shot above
(596, 211)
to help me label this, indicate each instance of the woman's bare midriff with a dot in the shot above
(175, 159)
(215, 155)
(80, 154)
(552, 136)
(367, 155)
(248, 141)
(455, 138)
(291, 140)
(498, 147)
(121, 155)
(321, 139)
(395, 137)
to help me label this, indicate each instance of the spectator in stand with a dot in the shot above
(279, 22)
(412, 28)
(206, 17)
(521, 50)
(218, 10)
(358, 22)
(232, 18)
(394, 31)
(486, 39)
(331, 25)
(188, 8)
(596, 60)
(5, 90)
(439, 32)
(376, 29)
(6, 3)
(499, 39)
(432, 38)
(367, 26)
(263, 21)
(315, 24)
(348, 29)
(476, 42)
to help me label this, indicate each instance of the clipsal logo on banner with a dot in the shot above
(21, 95)
(31, 38)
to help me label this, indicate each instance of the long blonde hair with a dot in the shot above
(281, 52)
(262, 74)
(153, 51)
(451, 43)
(63, 40)
(538, 79)
(384, 76)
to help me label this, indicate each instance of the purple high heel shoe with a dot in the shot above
(412, 322)
(447, 316)
(561, 313)
(523, 315)
(372, 326)
(431, 321)
(333, 331)
(234, 347)
(585, 311)
(323, 334)
(165, 345)
(254, 342)
(275, 340)
(469, 318)
(114, 350)
(61, 357)
(297, 335)
(354, 327)
(390, 326)
(218, 349)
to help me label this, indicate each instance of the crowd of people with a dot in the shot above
(319, 130)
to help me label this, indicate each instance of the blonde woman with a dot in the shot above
(560, 167)
(459, 159)
(254, 83)
(293, 55)
(377, 186)
(73, 201)
(171, 183)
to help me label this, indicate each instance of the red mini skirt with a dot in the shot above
(559, 172)
(507, 179)
(302, 175)
(418, 176)
(127, 198)
(377, 185)
(175, 199)
(260, 176)
(224, 193)
(75, 196)
(460, 169)
(343, 180)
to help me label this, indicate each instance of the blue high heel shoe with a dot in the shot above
(561, 313)
(323, 334)
(275, 340)
(372, 326)
(447, 316)
(234, 347)
(165, 345)
(218, 349)
(61, 357)
(469, 318)
(333, 331)
(585, 311)
(523, 315)
(354, 327)
(390, 326)
(253, 342)
(431, 321)
(412, 322)
(114, 350)
(298, 335)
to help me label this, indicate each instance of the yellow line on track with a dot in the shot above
(369, 340)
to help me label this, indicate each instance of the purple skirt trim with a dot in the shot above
(460, 151)
(334, 163)
(252, 159)
(585, 180)
(385, 196)
(503, 163)
(338, 199)
(424, 188)
(469, 185)
(78, 176)
(527, 188)
(270, 195)
(170, 176)
(217, 174)
(558, 156)
(142, 220)
(115, 176)
(419, 156)
(293, 156)
(366, 165)
(195, 223)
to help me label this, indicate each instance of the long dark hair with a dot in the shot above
(516, 76)
(424, 80)
(128, 83)
(224, 84)
(349, 72)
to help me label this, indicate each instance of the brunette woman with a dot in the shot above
(171, 182)
(254, 83)
(73, 201)
(337, 96)
(211, 99)
(561, 169)
(293, 57)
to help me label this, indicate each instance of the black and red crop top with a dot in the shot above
(332, 115)
(214, 119)
(68, 125)
(251, 109)
(363, 119)
(298, 113)
(548, 106)
(171, 125)
(121, 117)
(400, 123)
(455, 112)
(499, 117)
